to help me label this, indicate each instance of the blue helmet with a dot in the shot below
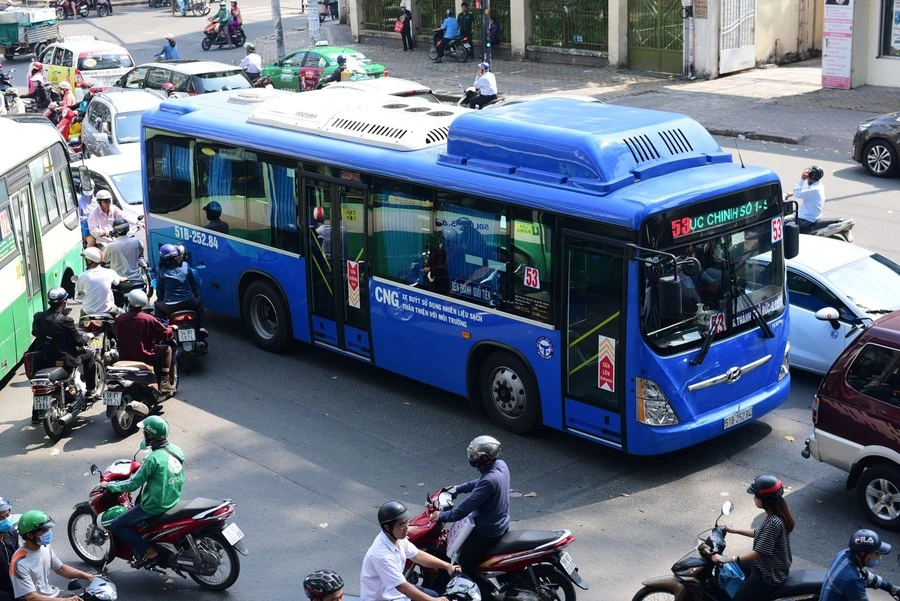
(341, 59)
(485, 66)
(168, 252)
(57, 296)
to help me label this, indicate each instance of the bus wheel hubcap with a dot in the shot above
(508, 392)
(264, 317)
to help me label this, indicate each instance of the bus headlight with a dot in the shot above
(653, 407)
(785, 362)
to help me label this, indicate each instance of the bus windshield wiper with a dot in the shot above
(704, 348)
(703, 319)
(757, 316)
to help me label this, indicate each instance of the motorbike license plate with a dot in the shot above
(188, 335)
(232, 534)
(567, 562)
(739, 417)
(96, 343)
(112, 398)
(42, 402)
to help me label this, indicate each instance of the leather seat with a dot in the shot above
(128, 365)
(522, 540)
(800, 582)
(186, 509)
(54, 374)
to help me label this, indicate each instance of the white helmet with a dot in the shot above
(92, 254)
(103, 195)
(137, 298)
(64, 85)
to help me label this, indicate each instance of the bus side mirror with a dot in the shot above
(87, 184)
(791, 239)
(669, 291)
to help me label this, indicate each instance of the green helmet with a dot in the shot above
(35, 520)
(110, 514)
(156, 427)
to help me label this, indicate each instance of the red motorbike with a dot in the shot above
(64, 8)
(530, 565)
(192, 538)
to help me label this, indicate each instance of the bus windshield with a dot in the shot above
(721, 279)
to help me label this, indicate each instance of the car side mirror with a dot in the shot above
(830, 315)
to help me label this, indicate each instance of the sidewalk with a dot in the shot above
(780, 104)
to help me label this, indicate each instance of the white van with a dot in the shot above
(85, 58)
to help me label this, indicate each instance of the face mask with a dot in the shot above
(473, 462)
(46, 539)
(6, 525)
(873, 562)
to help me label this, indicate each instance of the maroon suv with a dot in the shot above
(856, 415)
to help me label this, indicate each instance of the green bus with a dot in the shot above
(40, 234)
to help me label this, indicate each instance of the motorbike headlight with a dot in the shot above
(653, 408)
(689, 572)
(785, 362)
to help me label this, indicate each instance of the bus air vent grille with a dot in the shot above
(676, 141)
(642, 149)
(438, 134)
(368, 129)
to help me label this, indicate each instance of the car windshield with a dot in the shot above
(722, 279)
(220, 81)
(94, 61)
(129, 186)
(128, 127)
(873, 283)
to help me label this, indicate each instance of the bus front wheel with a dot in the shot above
(266, 316)
(509, 393)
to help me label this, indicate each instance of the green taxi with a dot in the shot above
(302, 69)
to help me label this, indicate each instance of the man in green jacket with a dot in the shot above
(162, 476)
(466, 21)
(223, 17)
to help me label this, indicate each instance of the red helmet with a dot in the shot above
(37, 66)
(319, 214)
(168, 87)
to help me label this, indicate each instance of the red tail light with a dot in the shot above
(385, 73)
(42, 387)
(181, 318)
(815, 409)
(223, 513)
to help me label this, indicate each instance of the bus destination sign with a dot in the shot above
(696, 224)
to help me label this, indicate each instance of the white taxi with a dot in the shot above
(85, 58)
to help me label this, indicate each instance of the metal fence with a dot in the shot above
(380, 15)
(582, 24)
(431, 13)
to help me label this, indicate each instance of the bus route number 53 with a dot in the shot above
(201, 238)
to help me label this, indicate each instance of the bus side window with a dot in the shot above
(401, 245)
(532, 265)
(222, 176)
(169, 178)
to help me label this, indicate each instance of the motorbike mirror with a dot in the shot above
(74, 279)
(87, 185)
(140, 217)
(94, 469)
(830, 315)
(727, 508)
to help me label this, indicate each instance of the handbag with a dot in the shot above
(398, 26)
(730, 578)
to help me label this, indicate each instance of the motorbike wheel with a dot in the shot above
(876, 483)
(433, 52)
(239, 38)
(124, 421)
(83, 536)
(266, 316)
(185, 361)
(206, 44)
(459, 53)
(554, 585)
(200, 8)
(102, 9)
(101, 377)
(83, 11)
(509, 393)
(651, 593)
(61, 13)
(213, 544)
(51, 427)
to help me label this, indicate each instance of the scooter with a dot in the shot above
(529, 565)
(457, 48)
(192, 538)
(695, 576)
(6, 80)
(64, 8)
(840, 228)
(58, 397)
(469, 95)
(213, 37)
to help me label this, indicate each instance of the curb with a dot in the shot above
(751, 135)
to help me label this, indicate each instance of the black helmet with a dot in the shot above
(213, 210)
(461, 588)
(321, 583)
(766, 486)
(815, 173)
(449, 12)
(121, 226)
(341, 59)
(57, 296)
(392, 511)
(868, 541)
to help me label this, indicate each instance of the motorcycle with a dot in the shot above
(64, 8)
(469, 95)
(527, 564)
(58, 397)
(192, 538)
(840, 228)
(457, 48)
(191, 342)
(99, 589)
(212, 36)
(695, 576)
(14, 105)
(6, 80)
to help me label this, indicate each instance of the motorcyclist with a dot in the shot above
(169, 89)
(94, 286)
(487, 503)
(324, 585)
(125, 252)
(486, 86)
(449, 31)
(142, 337)
(68, 98)
(42, 94)
(89, 92)
(103, 216)
(812, 195)
(237, 21)
(847, 578)
(13, 105)
(223, 18)
(252, 63)
(32, 562)
(162, 476)
(57, 339)
(178, 286)
(9, 543)
(338, 73)
(382, 576)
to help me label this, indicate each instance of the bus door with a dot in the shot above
(595, 341)
(23, 227)
(336, 242)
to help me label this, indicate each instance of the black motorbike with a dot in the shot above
(457, 48)
(695, 576)
(132, 392)
(6, 80)
(57, 399)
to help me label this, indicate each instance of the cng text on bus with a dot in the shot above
(427, 307)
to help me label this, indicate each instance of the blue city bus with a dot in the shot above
(560, 262)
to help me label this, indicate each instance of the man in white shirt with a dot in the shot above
(486, 86)
(94, 286)
(252, 63)
(382, 571)
(102, 217)
(813, 197)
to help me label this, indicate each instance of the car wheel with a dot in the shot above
(879, 158)
(9, 54)
(878, 493)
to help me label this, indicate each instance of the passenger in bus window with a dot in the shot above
(214, 218)
(436, 264)
(323, 232)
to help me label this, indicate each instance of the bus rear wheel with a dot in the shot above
(509, 393)
(266, 316)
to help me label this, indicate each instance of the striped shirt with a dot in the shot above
(772, 541)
